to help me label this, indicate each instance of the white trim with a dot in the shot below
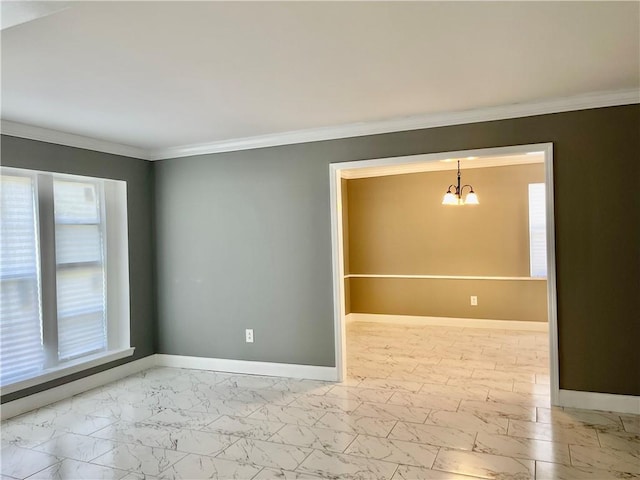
(552, 302)
(55, 394)
(599, 401)
(448, 322)
(567, 398)
(51, 395)
(117, 263)
(337, 254)
(336, 239)
(248, 367)
(442, 277)
(508, 152)
(68, 368)
(15, 129)
(416, 122)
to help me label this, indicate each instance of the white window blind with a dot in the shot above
(59, 258)
(79, 269)
(537, 230)
(21, 348)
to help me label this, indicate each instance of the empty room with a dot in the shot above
(475, 277)
(305, 240)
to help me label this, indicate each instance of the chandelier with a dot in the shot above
(455, 197)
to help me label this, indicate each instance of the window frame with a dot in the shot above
(60, 267)
(112, 198)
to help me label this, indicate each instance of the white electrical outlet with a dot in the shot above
(248, 333)
(474, 301)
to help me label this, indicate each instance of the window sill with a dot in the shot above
(67, 369)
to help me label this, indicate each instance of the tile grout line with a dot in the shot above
(350, 443)
(394, 471)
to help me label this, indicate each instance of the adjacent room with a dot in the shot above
(465, 287)
(303, 240)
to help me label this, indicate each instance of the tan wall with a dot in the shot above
(397, 225)
(347, 296)
(345, 245)
(345, 226)
(497, 299)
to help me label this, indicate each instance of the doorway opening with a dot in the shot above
(445, 163)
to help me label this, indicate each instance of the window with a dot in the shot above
(21, 349)
(537, 230)
(63, 275)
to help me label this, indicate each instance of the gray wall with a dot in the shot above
(22, 153)
(244, 242)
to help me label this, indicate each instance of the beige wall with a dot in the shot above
(497, 299)
(345, 245)
(397, 225)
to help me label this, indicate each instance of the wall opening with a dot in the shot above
(410, 269)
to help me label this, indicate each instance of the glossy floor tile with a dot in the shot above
(439, 403)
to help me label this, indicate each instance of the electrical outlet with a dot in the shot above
(474, 301)
(248, 333)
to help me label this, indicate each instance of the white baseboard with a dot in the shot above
(448, 322)
(46, 397)
(309, 372)
(567, 398)
(599, 401)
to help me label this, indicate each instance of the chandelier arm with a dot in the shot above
(467, 185)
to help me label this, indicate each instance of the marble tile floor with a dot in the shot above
(419, 403)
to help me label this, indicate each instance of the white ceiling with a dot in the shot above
(155, 75)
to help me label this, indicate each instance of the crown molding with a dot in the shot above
(15, 129)
(557, 105)
(417, 122)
